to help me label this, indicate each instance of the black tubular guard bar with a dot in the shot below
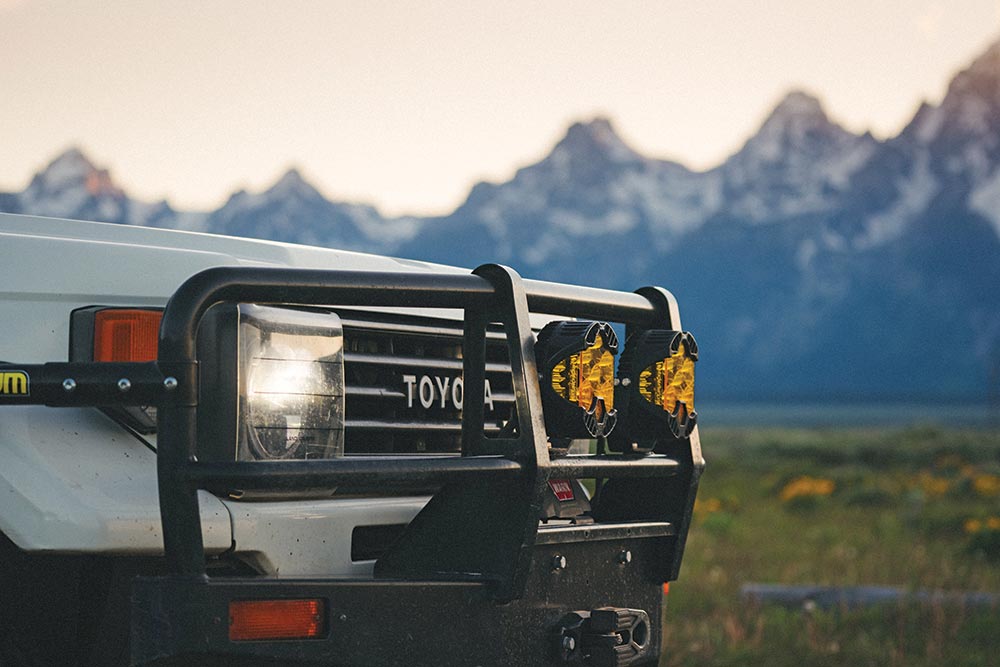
(519, 467)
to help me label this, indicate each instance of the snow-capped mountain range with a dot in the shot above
(813, 263)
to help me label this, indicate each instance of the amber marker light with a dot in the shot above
(577, 369)
(111, 334)
(264, 620)
(655, 392)
(126, 334)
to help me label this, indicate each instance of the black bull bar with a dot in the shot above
(481, 528)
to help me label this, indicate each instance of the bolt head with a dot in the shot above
(69, 385)
(559, 562)
(625, 557)
(569, 644)
(170, 383)
(124, 385)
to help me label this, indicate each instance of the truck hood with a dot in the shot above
(51, 267)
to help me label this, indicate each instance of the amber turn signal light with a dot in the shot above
(126, 334)
(261, 620)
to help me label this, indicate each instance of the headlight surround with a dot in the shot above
(656, 390)
(291, 384)
(272, 384)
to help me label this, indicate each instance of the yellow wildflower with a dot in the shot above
(806, 486)
(933, 486)
(973, 525)
(986, 485)
(707, 506)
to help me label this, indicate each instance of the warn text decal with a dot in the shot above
(14, 383)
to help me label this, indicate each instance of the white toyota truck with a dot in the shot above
(225, 451)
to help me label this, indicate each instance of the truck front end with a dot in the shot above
(376, 464)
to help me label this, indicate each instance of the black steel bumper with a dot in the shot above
(180, 620)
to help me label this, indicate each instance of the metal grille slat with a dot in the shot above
(407, 328)
(432, 427)
(435, 364)
(375, 392)
(392, 394)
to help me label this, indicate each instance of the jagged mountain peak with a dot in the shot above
(798, 103)
(798, 117)
(73, 169)
(290, 187)
(71, 186)
(969, 114)
(293, 184)
(987, 64)
(795, 164)
(597, 129)
(72, 156)
(979, 82)
(594, 138)
(972, 103)
(294, 210)
(797, 126)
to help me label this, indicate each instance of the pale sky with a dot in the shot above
(407, 104)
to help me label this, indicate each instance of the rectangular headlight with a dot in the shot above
(272, 384)
(291, 384)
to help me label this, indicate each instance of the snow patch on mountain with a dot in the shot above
(804, 254)
(985, 199)
(839, 169)
(916, 191)
(973, 115)
(674, 201)
(927, 123)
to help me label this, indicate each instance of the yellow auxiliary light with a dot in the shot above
(656, 389)
(577, 368)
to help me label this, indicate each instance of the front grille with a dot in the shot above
(400, 378)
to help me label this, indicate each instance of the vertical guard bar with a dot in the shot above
(691, 456)
(673, 502)
(532, 439)
(521, 344)
(486, 528)
(474, 379)
(182, 538)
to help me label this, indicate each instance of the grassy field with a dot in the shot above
(916, 508)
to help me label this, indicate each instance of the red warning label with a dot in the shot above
(562, 488)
